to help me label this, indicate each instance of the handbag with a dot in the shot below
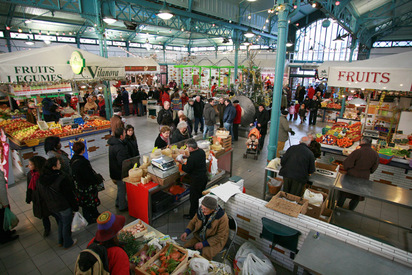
(10, 220)
(100, 180)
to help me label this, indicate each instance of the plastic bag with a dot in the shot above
(10, 220)
(213, 165)
(244, 251)
(256, 265)
(314, 198)
(219, 268)
(275, 182)
(79, 222)
(199, 265)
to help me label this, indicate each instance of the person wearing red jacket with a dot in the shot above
(236, 121)
(311, 92)
(165, 96)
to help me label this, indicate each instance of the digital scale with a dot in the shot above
(371, 133)
(164, 163)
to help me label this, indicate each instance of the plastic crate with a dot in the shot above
(385, 159)
(43, 125)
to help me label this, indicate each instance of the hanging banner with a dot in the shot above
(371, 78)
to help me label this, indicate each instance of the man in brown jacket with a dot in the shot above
(116, 121)
(210, 227)
(361, 163)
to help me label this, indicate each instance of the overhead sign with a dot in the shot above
(368, 78)
(140, 68)
(77, 62)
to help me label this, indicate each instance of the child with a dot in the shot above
(252, 142)
(295, 116)
(40, 209)
(302, 113)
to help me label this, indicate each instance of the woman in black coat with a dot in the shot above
(131, 142)
(86, 183)
(163, 139)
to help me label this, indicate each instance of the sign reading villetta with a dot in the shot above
(368, 78)
(140, 68)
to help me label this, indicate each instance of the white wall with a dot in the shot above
(379, 52)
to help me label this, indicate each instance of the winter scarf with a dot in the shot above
(34, 177)
(206, 221)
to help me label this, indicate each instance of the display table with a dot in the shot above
(96, 146)
(140, 196)
(149, 228)
(322, 254)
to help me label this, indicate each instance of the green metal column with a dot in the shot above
(181, 77)
(352, 48)
(237, 44)
(210, 77)
(279, 70)
(107, 102)
(200, 77)
(219, 78)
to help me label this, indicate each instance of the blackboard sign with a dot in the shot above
(75, 126)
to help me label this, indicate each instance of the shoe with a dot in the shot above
(11, 232)
(187, 217)
(74, 243)
(117, 206)
(46, 233)
(124, 210)
(9, 239)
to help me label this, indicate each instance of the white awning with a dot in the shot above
(137, 65)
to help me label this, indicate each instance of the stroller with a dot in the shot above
(252, 144)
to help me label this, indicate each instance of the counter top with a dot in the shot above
(366, 188)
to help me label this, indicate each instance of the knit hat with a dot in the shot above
(236, 101)
(284, 112)
(108, 225)
(209, 202)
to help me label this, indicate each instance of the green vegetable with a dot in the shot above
(169, 250)
(171, 265)
(130, 245)
(151, 249)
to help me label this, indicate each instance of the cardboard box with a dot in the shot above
(321, 189)
(328, 170)
(142, 269)
(326, 215)
(278, 203)
(315, 211)
(166, 181)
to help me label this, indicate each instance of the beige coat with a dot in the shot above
(216, 235)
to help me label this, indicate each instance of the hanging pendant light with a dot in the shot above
(249, 33)
(164, 12)
(109, 20)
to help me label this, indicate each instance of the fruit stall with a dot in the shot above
(27, 139)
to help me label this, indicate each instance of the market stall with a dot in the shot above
(54, 72)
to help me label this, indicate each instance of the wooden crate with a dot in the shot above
(226, 142)
(142, 269)
(166, 181)
(277, 203)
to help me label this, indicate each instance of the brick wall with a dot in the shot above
(249, 211)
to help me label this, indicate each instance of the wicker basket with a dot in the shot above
(222, 133)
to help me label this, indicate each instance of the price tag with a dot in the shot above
(75, 126)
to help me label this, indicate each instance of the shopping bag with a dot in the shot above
(79, 222)
(199, 265)
(255, 265)
(244, 251)
(10, 220)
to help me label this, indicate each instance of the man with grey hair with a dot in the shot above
(181, 133)
(297, 164)
(361, 163)
(196, 168)
(116, 121)
(314, 146)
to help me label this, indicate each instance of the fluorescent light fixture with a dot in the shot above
(251, 0)
(164, 12)
(289, 44)
(47, 42)
(357, 101)
(249, 33)
(28, 21)
(29, 42)
(109, 20)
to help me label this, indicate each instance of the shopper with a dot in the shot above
(228, 116)
(181, 133)
(209, 114)
(183, 118)
(108, 227)
(57, 190)
(52, 147)
(284, 131)
(176, 102)
(198, 107)
(298, 163)
(189, 112)
(261, 119)
(210, 228)
(90, 107)
(184, 98)
(213, 90)
(117, 154)
(134, 102)
(165, 96)
(163, 139)
(131, 142)
(117, 102)
(361, 163)
(125, 101)
(314, 146)
(5, 235)
(300, 93)
(311, 92)
(221, 110)
(40, 209)
(156, 95)
(165, 116)
(116, 121)
(196, 168)
(313, 107)
(86, 182)
(302, 113)
(141, 95)
(237, 120)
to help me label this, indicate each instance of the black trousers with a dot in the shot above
(196, 189)
(235, 132)
(293, 187)
(261, 141)
(90, 213)
(312, 117)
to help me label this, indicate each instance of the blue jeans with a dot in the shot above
(140, 107)
(65, 218)
(121, 195)
(197, 120)
(210, 129)
(229, 127)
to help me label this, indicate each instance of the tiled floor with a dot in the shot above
(33, 254)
